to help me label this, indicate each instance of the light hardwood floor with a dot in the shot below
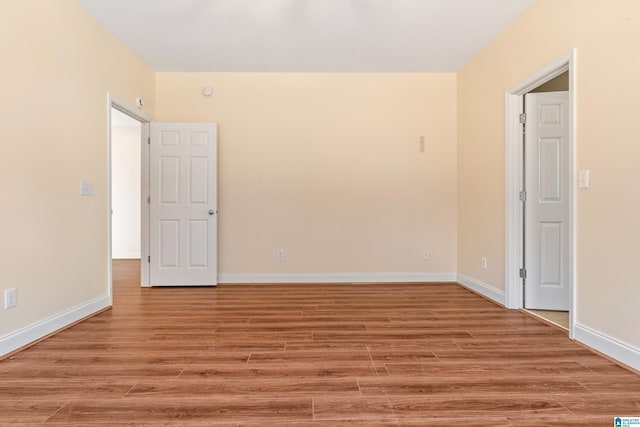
(311, 355)
(560, 318)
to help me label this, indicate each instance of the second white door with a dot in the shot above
(547, 157)
(183, 204)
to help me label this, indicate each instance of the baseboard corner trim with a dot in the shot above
(612, 347)
(36, 331)
(229, 278)
(482, 288)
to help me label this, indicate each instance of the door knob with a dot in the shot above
(211, 211)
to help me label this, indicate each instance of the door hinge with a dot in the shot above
(149, 259)
(523, 118)
(149, 140)
(148, 199)
(523, 196)
(523, 273)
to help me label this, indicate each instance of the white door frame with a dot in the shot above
(514, 98)
(144, 119)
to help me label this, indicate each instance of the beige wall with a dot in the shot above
(605, 34)
(327, 167)
(58, 66)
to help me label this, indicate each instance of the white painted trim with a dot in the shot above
(482, 288)
(337, 278)
(109, 203)
(610, 346)
(144, 211)
(573, 196)
(514, 212)
(42, 328)
(514, 180)
(126, 126)
(125, 108)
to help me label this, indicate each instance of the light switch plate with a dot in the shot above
(86, 188)
(584, 179)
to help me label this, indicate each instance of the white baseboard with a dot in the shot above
(482, 288)
(336, 278)
(126, 255)
(612, 347)
(42, 328)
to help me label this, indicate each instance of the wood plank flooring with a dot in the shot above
(310, 355)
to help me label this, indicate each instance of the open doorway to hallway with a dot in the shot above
(555, 236)
(128, 134)
(546, 213)
(126, 151)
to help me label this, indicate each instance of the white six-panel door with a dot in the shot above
(547, 202)
(183, 204)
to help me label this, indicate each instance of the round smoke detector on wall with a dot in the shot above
(207, 91)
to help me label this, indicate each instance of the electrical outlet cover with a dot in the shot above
(10, 298)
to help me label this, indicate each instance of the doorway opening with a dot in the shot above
(126, 134)
(127, 129)
(546, 211)
(560, 72)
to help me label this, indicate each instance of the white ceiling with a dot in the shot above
(306, 35)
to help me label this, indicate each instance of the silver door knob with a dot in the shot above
(211, 211)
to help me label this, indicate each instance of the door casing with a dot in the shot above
(514, 156)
